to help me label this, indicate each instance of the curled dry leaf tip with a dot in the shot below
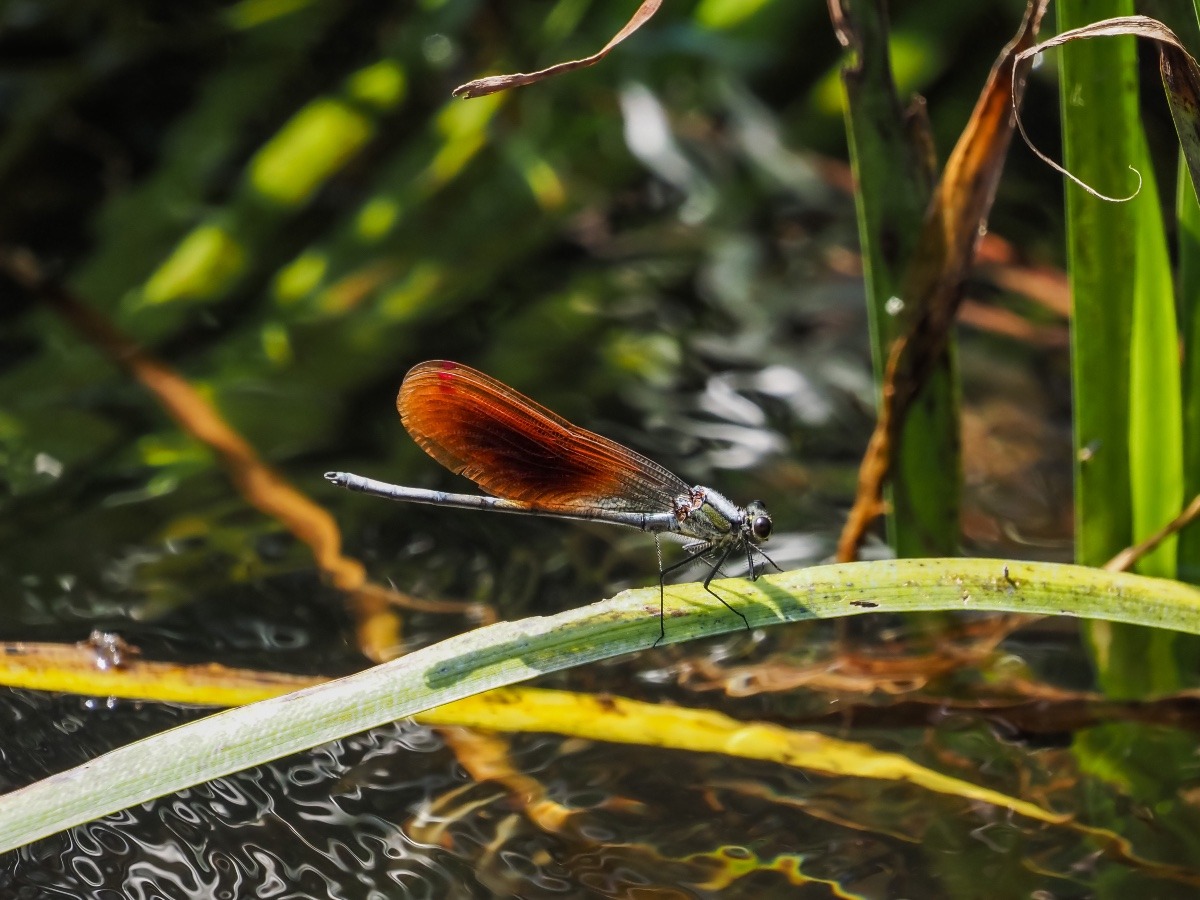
(481, 87)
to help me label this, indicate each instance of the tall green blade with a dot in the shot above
(1151, 661)
(1100, 141)
(1188, 208)
(894, 185)
(1100, 119)
(1155, 431)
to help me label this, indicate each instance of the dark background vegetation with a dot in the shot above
(279, 201)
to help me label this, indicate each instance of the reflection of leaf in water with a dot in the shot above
(259, 484)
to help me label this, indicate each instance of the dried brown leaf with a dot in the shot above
(481, 87)
(1124, 560)
(1181, 80)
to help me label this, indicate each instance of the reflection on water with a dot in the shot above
(346, 820)
(327, 825)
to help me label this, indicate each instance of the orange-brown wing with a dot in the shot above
(519, 450)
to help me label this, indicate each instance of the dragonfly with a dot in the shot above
(531, 461)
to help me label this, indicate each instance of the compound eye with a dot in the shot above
(761, 527)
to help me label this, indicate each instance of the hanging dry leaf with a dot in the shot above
(1181, 81)
(493, 83)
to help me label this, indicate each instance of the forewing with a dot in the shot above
(519, 450)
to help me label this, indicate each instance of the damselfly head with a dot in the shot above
(758, 523)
